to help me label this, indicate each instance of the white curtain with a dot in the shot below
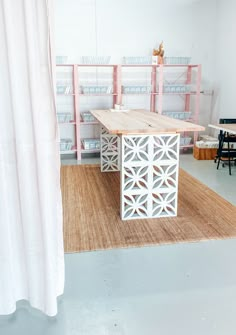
(31, 240)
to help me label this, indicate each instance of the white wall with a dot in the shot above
(225, 67)
(135, 27)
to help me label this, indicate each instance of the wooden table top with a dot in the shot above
(228, 127)
(141, 122)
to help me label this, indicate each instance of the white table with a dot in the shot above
(228, 127)
(225, 128)
(144, 147)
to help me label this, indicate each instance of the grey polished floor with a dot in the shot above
(179, 289)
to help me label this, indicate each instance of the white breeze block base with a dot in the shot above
(110, 151)
(149, 176)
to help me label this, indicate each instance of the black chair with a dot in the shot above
(225, 152)
(222, 121)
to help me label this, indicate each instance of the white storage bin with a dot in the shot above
(136, 89)
(64, 88)
(137, 60)
(185, 141)
(61, 88)
(61, 59)
(178, 115)
(65, 144)
(177, 60)
(98, 89)
(91, 143)
(64, 117)
(168, 113)
(87, 117)
(186, 115)
(93, 60)
(177, 88)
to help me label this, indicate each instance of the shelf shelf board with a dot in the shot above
(137, 93)
(174, 93)
(84, 151)
(97, 94)
(67, 152)
(84, 123)
(97, 65)
(94, 150)
(179, 65)
(186, 146)
(89, 138)
(128, 65)
(138, 65)
(164, 93)
(67, 123)
(64, 94)
(61, 65)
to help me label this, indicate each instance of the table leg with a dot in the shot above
(110, 151)
(149, 176)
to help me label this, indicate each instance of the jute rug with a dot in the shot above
(91, 213)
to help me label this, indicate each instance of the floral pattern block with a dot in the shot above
(110, 151)
(165, 147)
(149, 175)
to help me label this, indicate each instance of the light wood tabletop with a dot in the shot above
(141, 122)
(228, 127)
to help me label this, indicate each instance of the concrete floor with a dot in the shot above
(178, 289)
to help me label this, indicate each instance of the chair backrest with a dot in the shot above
(229, 139)
(227, 121)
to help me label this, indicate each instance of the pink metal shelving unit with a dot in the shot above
(77, 95)
(73, 95)
(189, 80)
(157, 93)
(115, 94)
(157, 80)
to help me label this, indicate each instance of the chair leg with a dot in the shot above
(229, 160)
(229, 166)
(218, 156)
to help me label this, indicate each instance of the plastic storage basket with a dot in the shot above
(91, 143)
(98, 89)
(64, 88)
(185, 140)
(92, 60)
(136, 89)
(87, 117)
(65, 144)
(64, 117)
(178, 115)
(177, 60)
(61, 59)
(137, 60)
(177, 88)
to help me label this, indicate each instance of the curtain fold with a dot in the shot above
(31, 238)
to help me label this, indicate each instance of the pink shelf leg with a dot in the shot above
(76, 110)
(161, 82)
